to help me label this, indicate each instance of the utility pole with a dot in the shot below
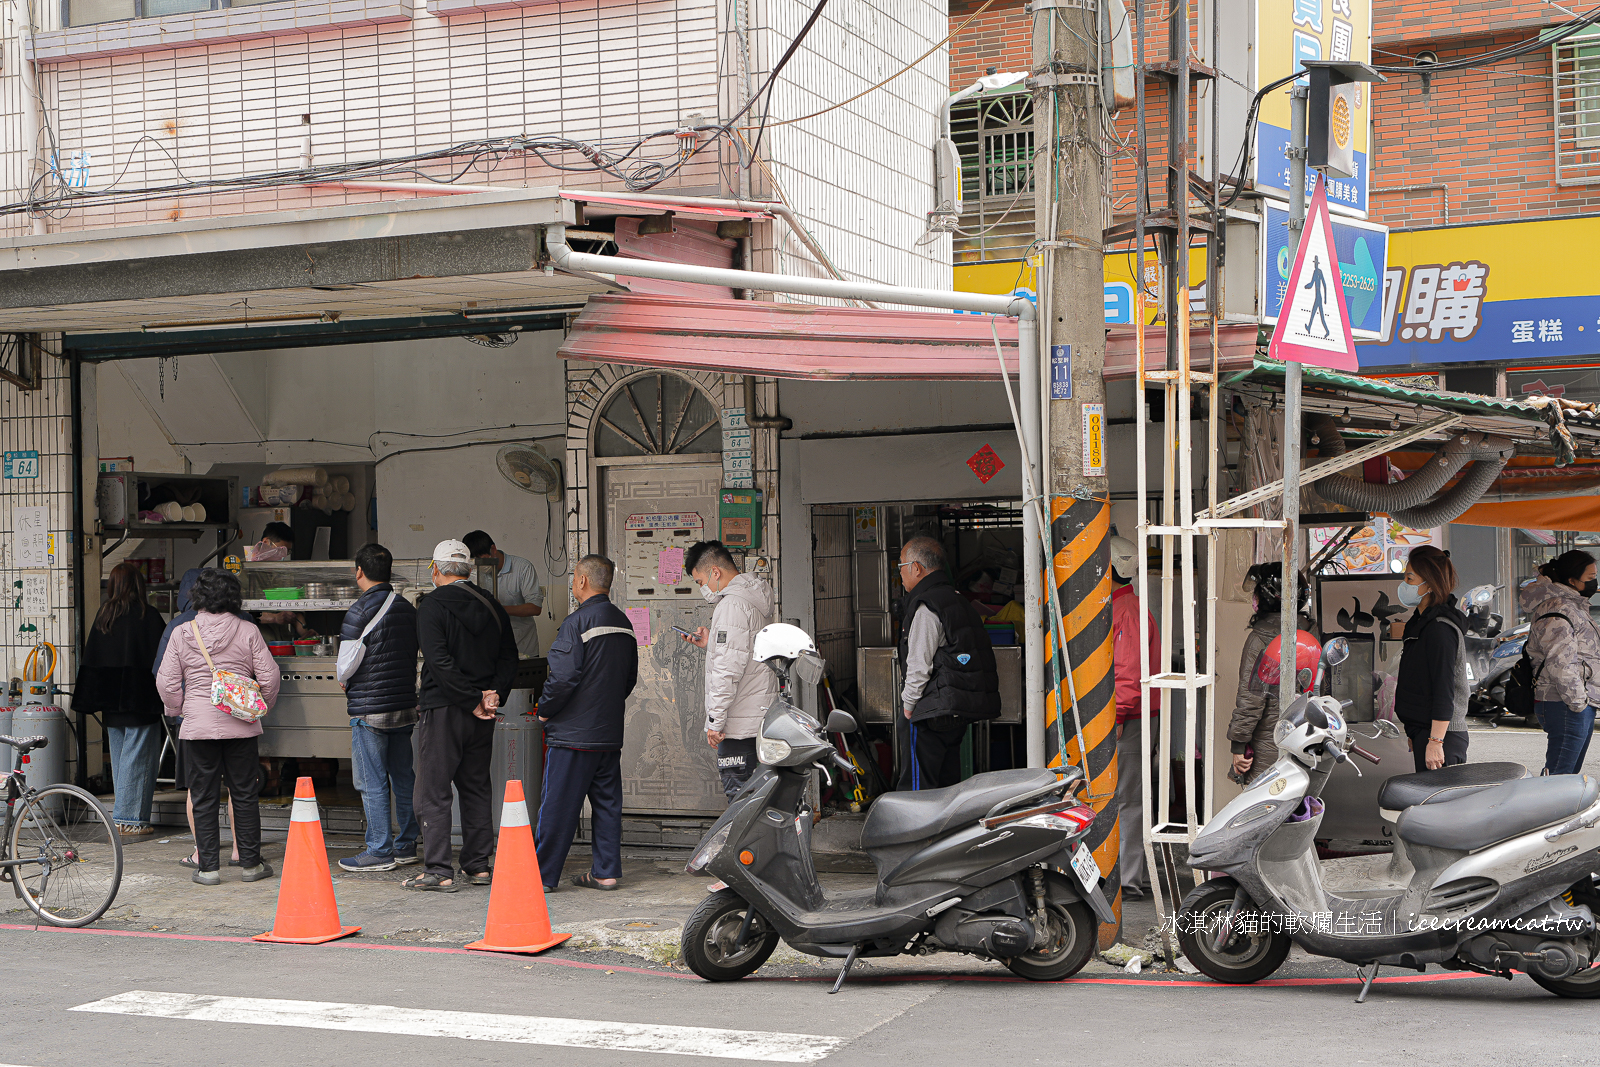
(1291, 417)
(1070, 218)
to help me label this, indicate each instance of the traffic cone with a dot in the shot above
(519, 920)
(307, 912)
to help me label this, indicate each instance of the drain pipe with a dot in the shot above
(760, 422)
(1017, 307)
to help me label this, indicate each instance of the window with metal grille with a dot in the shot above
(1577, 88)
(995, 138)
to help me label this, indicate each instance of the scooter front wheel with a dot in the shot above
(711, 943)
(1243, 957)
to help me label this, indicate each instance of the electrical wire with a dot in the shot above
(909, 66)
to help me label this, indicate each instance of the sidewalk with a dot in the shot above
(642, 920)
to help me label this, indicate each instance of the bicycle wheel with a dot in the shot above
(71, 856)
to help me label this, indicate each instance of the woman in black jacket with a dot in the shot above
(116, 680)
(1430, 696)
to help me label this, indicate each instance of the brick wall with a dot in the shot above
(1000, 37)
(1488, 135)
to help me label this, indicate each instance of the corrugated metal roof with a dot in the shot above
(651, 207)
(789, 340)
(1271, 372)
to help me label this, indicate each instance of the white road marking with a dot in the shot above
(473, 1026)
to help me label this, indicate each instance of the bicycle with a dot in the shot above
(61, 852)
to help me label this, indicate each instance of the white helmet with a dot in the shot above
(782, 641)
(1124, 557)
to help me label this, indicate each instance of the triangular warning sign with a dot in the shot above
(1313, 325)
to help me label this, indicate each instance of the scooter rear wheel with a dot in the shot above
(1585, 985)
(1243, 958)
(1070, 941)
(711, 939)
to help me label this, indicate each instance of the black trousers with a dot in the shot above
(935, 752)
(454, 747)
(238, 759)
(570, 775)
(736, 762)
(1455, 746)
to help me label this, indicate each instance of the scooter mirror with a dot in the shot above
(1302, 679)
(1337, 651)
(1388, 728)
(841, 722)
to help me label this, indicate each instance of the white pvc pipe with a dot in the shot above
(562, 255)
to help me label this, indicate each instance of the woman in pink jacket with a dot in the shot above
(215, 744)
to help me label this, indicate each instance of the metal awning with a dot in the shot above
(1237, 342)
(789, 340)
(651, 207)
(1379, 403)
(452, 260)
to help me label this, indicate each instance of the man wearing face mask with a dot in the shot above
(738, 689)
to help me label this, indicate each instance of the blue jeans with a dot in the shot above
(135, 753)
(381, 760)
(1568, 735)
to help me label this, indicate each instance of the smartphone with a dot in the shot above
(684, 632)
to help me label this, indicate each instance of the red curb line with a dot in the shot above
(580, 965)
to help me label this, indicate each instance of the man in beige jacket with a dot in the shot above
(738, 689)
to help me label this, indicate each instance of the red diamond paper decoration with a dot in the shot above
(985, 464)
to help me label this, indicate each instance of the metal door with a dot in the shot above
(666, 764)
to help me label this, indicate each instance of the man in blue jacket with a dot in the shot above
(381, 697)
(594, 664)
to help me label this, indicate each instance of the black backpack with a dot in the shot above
(1521, 677)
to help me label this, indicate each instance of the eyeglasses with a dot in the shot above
(913, 563)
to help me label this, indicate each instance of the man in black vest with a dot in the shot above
(948, 663)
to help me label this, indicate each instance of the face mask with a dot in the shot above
(709, 593)
(1590, 587)
(1410, 595)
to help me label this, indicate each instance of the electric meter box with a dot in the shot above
(739, 518)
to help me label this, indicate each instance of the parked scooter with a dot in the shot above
(994, 867)
(1488, 700)
(1487, 874)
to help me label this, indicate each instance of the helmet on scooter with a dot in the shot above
(781, 641)
(1307, 658)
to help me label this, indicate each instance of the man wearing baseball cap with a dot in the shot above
(469, 659)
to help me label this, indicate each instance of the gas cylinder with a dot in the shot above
(48, 765)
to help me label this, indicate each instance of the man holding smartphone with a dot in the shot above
(738, 689)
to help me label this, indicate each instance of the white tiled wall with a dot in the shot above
(861, 176)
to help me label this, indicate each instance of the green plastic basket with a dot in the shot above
(290, 593)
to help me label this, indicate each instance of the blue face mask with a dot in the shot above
(1410, 595)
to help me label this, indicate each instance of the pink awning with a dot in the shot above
(1237, 341)
(789, 340)
(656, 208)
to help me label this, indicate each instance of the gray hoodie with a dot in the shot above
(1565, 651)
(738, 689)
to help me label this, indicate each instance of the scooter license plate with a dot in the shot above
(1084, 866)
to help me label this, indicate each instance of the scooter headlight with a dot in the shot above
(709, 850)
(770, 751)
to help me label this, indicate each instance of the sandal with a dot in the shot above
(430, 883)
(190, 861)
(480, 879)
(587, 881)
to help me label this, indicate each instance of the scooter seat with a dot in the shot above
(898, 818)
(1499, 812)
(1445, 784)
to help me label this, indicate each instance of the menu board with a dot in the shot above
(652, 560)
(1374, 549)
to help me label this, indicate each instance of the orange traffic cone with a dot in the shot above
(519, 920)
(307, 912)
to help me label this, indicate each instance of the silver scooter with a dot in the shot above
(1487, 876)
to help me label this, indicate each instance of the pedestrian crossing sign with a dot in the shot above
(1314, 325)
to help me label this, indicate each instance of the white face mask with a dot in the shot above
(709, 593)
